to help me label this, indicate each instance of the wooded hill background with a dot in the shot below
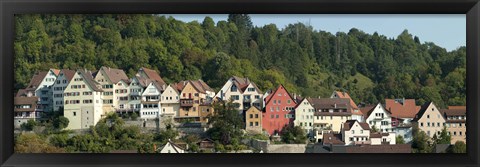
(371, 67)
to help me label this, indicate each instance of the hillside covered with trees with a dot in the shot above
(371, 67)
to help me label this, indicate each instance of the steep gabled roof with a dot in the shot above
(201, 86)
(404, 108)
(329, 103)
(422, 111)
(36, 80)
(275, 92)
(349, 123)
(88, 78)
(114, 74)
(68, 74)
(346, 95)
(369, 112)
(153, 75)
(55, 71)
(175, 147)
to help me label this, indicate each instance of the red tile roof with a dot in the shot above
(269, 97)
(56, 71)
(399, 109)
(346, 95)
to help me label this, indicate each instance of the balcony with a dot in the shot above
(135, 94)
(186, 102)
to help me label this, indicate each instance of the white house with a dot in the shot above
(60, 85)
(383, 138)
(83, 101)
(304, 112)
(41, 86)
(171, 147)
(380, 118)
(243, 92)
(170, 101)
(354, 133)
(150, 108)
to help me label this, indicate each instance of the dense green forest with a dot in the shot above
(371, 67)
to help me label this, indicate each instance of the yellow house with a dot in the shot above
(192, 95)
(329, 115)
(429, 119)
(108, 78)
(253, 120)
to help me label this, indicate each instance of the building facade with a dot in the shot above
(379, 118)
(279, 111)
(83, 101)
(64, 77)
(253, 120)
(150, 108)
(242, 92)
(456, 118)
(429, 119)
(356, 113)
(108, 78)
(304, 112)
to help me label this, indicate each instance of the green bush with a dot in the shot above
(29, 125)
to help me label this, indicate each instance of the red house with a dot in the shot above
(279, 110)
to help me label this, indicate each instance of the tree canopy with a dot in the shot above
(310, 62)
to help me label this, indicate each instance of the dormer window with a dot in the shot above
(233, 88)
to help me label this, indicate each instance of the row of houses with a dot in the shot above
(87, 96)
(334, 116)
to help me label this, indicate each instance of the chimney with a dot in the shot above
(294, 96)
(335, 105)
(403, 102)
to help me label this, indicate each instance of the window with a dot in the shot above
(256, 123)
(351, 138)
(251, 89)
(421, 124)
(271, 116)
(438, 124)
(251, 115)
(279, 102)
(235, 97)
(251, 123)
(276, 116)
(256, 115)
(274, 101)
(353, 131)
(74, 113)
(288, 101)
(233, 88)
(428, 116)
(257, 96)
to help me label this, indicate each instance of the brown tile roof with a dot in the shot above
(153, 75)
(366, 109)
(375, 135)
(88, 78)
(36, 80)
(242, 83)
(349, 123)
(330, 103)
(180, 85)
(68, 74)
(201, 86)
(115, 75)
(25, 101)
(458, 107)
(454, 112)
(397, 148)
(399, 109)
(334, 139)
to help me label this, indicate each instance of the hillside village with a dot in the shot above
(334, 124)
